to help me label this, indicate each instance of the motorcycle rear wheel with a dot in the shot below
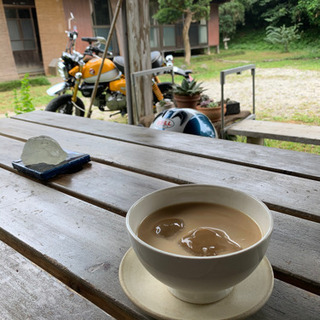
(63, 104)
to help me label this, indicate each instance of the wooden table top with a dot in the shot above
(71, 229)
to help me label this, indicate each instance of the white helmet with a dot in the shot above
(184, 120)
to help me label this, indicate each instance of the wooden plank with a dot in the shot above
(301, 198)
(284, 245)
(296, 241)
(83, 245)
(28, 292)
(106, 186)
(230, 119)
(296, 304)
(80, 244)
(277, 130)
(284, 161)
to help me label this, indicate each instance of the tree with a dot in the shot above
(282, 12)
(271, 12)
(282, 35)
(230, 15)
(172, 11)
(312, 10)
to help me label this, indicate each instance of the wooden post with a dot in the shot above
(138, 27)
(252, 140)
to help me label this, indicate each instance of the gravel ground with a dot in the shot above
(279, 92)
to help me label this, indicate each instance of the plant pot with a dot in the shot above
(186, 101)
(214, 114)
(168, 105)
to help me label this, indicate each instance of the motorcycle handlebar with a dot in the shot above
(89, 39)
(94, 39)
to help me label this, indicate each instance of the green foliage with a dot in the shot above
(15, 84)
(187, 88)
(282, 35)
(282, 12)
(231, 14)
(311, 8)
(23, 102)
(171, 11)
(39, 81)
(247, 39)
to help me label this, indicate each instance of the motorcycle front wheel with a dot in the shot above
(63, 104)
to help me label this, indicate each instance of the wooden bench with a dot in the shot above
(256, 131)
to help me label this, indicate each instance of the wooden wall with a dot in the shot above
(213, 25)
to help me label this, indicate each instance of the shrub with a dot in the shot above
(16, 84)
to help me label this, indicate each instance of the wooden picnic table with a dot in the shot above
(62, 241)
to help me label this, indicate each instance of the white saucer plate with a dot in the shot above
(154, 298)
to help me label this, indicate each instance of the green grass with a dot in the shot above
(38, 95)
(249, 47)
(209, 66)
(295, 146)
(292, 146)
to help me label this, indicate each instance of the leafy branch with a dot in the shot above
(23, 102)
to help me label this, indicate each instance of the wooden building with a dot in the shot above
(32, 32)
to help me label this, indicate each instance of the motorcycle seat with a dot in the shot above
(156, 61)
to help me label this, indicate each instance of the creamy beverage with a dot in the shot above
(199, 229)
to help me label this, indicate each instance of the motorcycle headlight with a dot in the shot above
(62, 70)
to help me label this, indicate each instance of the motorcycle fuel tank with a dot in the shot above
(118, 85)
(91, 69)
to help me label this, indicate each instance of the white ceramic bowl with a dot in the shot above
(192, 278)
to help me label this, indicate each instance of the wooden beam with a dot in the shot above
(293, 132)
(138, 27)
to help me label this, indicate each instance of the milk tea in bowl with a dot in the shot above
(199, 240)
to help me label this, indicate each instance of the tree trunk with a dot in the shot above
(185, 35)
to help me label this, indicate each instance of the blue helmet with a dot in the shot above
(184, 120)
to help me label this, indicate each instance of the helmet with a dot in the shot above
(184, 120)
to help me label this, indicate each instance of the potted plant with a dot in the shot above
(164, 104)
(187, 95)
(211, 108)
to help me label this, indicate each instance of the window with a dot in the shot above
(21, 28)
(101, 19)
(169, 36)
(154, 26)
(203, 32)
(198, 33)
(101, 14)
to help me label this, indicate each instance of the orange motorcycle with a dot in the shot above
(80, 71)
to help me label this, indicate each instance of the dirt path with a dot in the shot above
(279, 93)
